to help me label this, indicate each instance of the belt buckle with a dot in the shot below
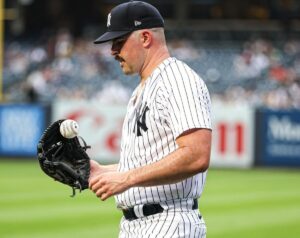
(138, 211)
(142, 210)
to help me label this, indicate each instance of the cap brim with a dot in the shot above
(110, 35)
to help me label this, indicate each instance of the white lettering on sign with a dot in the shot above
(283, 129)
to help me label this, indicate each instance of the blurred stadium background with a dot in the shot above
(248, 53)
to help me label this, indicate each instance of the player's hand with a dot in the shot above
(105, 185)
(97, 168)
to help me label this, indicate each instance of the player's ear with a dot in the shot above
(146, 38)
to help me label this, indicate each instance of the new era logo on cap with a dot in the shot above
(128, 17)
(137, 23)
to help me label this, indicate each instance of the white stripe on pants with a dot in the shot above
(168, 224)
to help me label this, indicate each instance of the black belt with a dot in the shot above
(150, 209)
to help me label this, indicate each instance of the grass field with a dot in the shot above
(258, 203)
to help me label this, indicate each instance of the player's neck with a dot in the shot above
(154, 58)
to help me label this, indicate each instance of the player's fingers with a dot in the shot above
(94, 180)
(95, 188)
(91, 184)
(94, 177)
(104, 196)
(100, 191)
(95, 184)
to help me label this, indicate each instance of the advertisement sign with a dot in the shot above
(99, 125)
(20, 129)
(278, 136)
(233, 127)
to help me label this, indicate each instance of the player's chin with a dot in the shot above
(127, 71)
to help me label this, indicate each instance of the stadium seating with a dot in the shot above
(248, 70)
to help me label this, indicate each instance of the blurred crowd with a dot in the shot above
(259, 72)
(270, 73)
(63, 67)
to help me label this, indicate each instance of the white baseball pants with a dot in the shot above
(168, 224)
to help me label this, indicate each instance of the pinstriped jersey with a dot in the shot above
(173, 100)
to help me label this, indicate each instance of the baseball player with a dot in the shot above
(166, 135)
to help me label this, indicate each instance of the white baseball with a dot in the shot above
(69, 128)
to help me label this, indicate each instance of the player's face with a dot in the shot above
(118, 43)
(127, 51)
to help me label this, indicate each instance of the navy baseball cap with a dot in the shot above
(128, 17)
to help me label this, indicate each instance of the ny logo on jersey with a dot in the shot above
(141, 121)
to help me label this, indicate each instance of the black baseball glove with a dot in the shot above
(64, 159)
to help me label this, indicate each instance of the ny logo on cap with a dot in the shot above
(108, 19)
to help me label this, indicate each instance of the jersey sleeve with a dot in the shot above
(188, 101)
